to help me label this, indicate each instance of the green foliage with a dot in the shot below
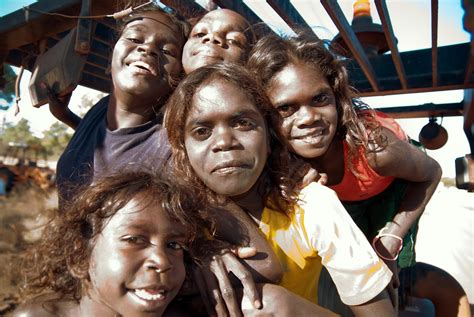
(19, 133)
(8, 91)
(55, 139)
(51, 145)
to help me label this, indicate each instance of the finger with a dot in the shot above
(396, 281)
(221, 272)
(244, 252)
(323, 178)
(53, 98)
(393, 294)
(243, 274)
(311, 176)
(203, 291)
(213, 289)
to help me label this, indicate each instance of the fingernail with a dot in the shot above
(257, 304)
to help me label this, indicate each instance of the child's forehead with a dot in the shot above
(156, 21)
(230, 19)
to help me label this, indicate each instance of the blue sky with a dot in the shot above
(406, 16)
(7, 6)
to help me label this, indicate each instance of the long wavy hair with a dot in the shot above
(273, 53)
(279, 188)
(59, 261)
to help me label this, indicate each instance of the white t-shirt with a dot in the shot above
(320, 231)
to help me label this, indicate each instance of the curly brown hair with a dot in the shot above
(279, 188)
(273, 53)
(59, 261)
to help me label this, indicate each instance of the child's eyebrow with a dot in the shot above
(239, 114)
(166, 36)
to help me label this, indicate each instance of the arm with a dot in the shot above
(360, 276)
(380, 305)
(256, 262)
(265, 266)
(58, 106)
(403, 160)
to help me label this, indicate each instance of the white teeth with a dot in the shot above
(144, 65)
(144, 294)
(311, 136)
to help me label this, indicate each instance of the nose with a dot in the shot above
(148, 49)
(158, 260)
(307, 115)
(213, 38)
(224, 139)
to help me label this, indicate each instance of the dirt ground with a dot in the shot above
(22, 214)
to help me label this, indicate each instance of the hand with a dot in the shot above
(313, 176)
(217, 292)
(56, 102)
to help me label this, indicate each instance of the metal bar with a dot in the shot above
(288, 13)
(185, 7)
(425, 110)
(415, 90)
(470, 63)
(241, 8)
(392, 41)
(434, 41)
(337, 16)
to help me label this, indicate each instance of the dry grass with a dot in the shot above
(22, 214)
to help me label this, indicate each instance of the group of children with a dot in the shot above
(169, 184)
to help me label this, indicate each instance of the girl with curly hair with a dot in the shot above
(383, 180)
(219, 123)
(120, 248)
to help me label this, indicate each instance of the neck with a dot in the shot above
(252, 201)
(331, 162)
(128, 111)
(90, 307)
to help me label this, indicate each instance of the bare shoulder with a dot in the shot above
(47, 305)
(401, 159)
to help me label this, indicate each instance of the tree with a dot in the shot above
(7, 86)
(19, 133)
(55, 139)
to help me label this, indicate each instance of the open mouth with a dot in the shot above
(148, 294)
(143, 67)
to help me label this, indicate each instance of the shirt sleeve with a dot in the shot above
(359, 274)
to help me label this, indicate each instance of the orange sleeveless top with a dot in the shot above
(368, 183)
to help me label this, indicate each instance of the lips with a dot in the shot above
(150, 294)
(231, 166)
(206, 52)
(309, 135)
(143, 67)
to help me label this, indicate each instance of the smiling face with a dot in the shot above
(137, 265)
(307, 104)
(146, 56)
(226, 138)
(218, 36)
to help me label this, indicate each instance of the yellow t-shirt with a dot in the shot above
(319, 232)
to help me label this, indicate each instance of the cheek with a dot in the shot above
(235, 55)
(286, 126)
(195, 156)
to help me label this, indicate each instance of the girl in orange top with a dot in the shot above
(384, 181)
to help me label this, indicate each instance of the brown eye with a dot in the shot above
(285, 110)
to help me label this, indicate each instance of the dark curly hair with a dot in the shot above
(279, 188)
(59, 261)
(250, 34)
(181, 26)
(273, 53)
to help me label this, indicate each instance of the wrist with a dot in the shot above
(387, 245)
